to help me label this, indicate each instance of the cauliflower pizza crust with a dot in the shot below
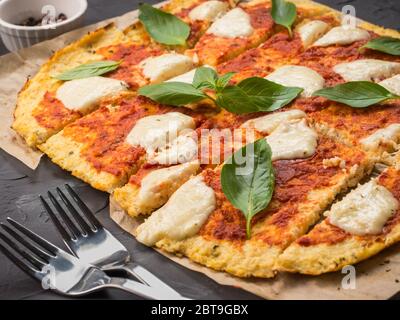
(95, 144)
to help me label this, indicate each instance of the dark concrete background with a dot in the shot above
(20, 187)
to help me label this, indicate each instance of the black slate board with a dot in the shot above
(20, 187)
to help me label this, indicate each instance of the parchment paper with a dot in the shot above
(376, 278)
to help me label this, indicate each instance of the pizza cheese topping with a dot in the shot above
(267, 124)
(385, 135)
(160, 184)
(166, 66)
(182, 216)
(83, 94)
(292, 140)
(342, 35)
(209, 10)
(367, 70)
(311, 31)
(298, 76)
(236, 23)
(392, 84)
(156, 131)
(364, 210)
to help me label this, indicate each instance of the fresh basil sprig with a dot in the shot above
(89, 70)
(163, 27)
(384, 44)
(248, 180)
(250, 95)
(284, 13)
(173, 93)
(256, 94)
(357, 94)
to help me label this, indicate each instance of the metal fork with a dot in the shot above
(58, 270)
(94, 244)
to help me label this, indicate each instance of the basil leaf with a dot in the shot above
(205, 78)
(256, 94)
(163, 27)
(172, 93)
(357, 94)
(223, 81)
(248, 181)
(89, 70)
(284, 13)
(384, 44)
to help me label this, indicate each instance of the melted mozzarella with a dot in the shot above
(342, 35)
(298, 76)
(236, 23)
(83, 94)
(209, 10)
(153, 132)
(166, 66)
(182, 216)
(187, 77)
(367, 70)
(183, 149)
(160, 184)
(267, 124)
(392, 84)
(388, 134)
(364, 210)
(311, 31)
(292, 140)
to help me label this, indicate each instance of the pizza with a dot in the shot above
(159, 129)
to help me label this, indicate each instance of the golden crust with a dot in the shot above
(66, 153)
(31, 95)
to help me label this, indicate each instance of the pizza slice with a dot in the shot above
(363, 223)
(38, 115)
(310, 169)
(241, 28)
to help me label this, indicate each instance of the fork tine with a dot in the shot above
(56, 221)
(19, 262)
(75, 214)
(86, 211)
(34, 237)
(64, 216)
(44, 256)
(36, 264)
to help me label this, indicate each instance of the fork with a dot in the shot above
(60, 271)
(95, 245)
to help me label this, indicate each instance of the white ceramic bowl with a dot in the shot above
(13, 12)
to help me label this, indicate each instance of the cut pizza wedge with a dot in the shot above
(241, 28)
(198, 221)
(364, 222)
(198, 14)
(38, 113)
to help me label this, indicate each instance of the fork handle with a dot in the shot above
(146, 277)
(141, 290)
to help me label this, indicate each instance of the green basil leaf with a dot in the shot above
(172, 93)
(205, 78)
(357, 94)
(89, 70)
(256, 94)
(223, 81)
(248, 180)
(384, 44)
(284, 13)
(163, 27)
